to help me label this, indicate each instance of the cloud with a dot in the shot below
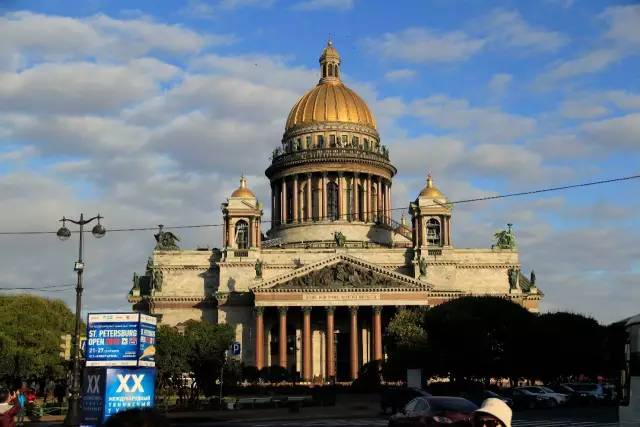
(508, 28)
(420, 45)
(400, 74)
(26, 36)
(623, 24)
(481, 124)
(324, 4)
(582, 110)
(97, 88)
(499, 83)
(588, 63)
(620, 133)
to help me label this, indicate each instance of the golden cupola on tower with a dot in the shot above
(331, 171)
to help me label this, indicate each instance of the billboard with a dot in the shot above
(128, 388)
(93, 381)
(120, 339)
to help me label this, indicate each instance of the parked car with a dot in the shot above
(523, 399)
(574, 396)
(588, 392)
(396, 398)
(435, 411)
(478, 397)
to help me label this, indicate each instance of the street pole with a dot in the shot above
(74, 412)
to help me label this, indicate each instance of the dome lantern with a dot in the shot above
(330, 64)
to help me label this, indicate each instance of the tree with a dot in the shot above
(567, 345)
(171, 359)
(478, 338)
(30, 339)
(406, 342)
(206, 345)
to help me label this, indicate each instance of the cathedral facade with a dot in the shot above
(313, 293)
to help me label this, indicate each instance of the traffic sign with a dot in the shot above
(235, 348)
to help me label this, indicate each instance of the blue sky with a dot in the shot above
(149, 111)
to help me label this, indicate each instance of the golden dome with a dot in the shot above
(430, 191)
(243, 191)
(330, 100)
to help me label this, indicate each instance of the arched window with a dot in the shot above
(336, 71)
(320, 141)
(332, 201)
(366, 144)
(433, 232)
(242, 234)
(324, 70)
(330, 69)
(332, 141)
(308, 142)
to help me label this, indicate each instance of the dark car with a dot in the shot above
(478, 397)
(574, 396)
(523, 399)
(396, 398)
(435, 411)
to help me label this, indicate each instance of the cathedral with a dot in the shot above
(314, 292)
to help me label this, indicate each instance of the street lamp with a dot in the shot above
(74, 416)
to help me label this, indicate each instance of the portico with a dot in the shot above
(343, 296)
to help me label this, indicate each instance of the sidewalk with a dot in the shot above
(347, 405)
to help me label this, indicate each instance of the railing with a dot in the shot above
(398, 227)
(271, 243)
(328, 153)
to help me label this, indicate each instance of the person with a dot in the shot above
(59, 392)
(493, 413)
(21, 402)
(7, 410)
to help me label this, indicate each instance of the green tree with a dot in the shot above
(479, 338)
(206, 345)
(406, 343)
(566, 345)
(31, 328)
(171, 359)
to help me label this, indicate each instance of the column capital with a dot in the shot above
(353, 309)
(309, 175)
(258, 311)
(377, 309)
(306, 310)
(340, 174)
(330, 309)
(283, 310)
(325, 173)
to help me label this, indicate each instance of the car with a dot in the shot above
(558, 398)
(523, 399)
(574, 397)
(478, 397)
(588, 392)
(395, 398)
(435, 411)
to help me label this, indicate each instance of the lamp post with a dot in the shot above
(74, 417)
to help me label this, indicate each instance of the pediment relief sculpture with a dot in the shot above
(340, 275)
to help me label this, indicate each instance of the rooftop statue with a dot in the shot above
(340, 239)
(505, 239)
(513, 274)
(166, 240)
(422, 264)
(259, 269)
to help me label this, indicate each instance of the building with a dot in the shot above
(313, 294)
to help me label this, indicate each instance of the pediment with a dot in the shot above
(341, 273)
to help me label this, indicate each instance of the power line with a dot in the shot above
(457, 202)
(48, 288)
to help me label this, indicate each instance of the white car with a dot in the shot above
(560, 398)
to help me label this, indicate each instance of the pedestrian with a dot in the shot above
(21, 402)
(59, 392)
(7, 410)
(493, 413)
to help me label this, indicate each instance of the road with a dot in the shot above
(562, 417)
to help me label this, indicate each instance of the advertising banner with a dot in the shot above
(93, 382)
(128, 388)
(120, 339)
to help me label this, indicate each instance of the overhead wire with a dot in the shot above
(456, 202)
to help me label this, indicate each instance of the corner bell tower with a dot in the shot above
(431, 218)
(242, 217)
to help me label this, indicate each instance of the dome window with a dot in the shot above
(242, 234)
(433, 232)
(308, 142)
(320, 141)
(332, 141)
(366, 144)
(355, 141)
(345, 140)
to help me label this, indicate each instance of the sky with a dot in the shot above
(148, 112)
